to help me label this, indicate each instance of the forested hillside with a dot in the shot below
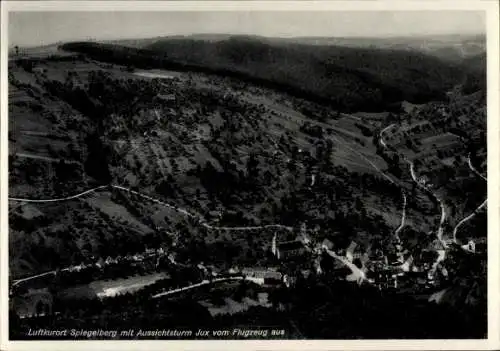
(352, 79)
(476, 78)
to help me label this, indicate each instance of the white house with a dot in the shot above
(261, 275)
(470, 246)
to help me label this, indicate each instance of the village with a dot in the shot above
(392, 268)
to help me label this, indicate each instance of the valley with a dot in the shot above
(199, 167)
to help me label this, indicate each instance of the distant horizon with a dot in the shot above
(427, 36)
(36, 29)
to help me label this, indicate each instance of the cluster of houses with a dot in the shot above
(394, 268)
(399, 268)
(391, 267)
(100, 263)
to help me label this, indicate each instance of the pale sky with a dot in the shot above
(42, 28)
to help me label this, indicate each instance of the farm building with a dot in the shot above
(262, 275)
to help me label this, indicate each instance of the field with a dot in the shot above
(110, 288)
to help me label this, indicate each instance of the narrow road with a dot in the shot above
(60, 198)
(178, 209)
(36, 276)
(403, 217)
(381, 137)
(193, 286)
(357, 274)
(412, 169)
(442, 255)
(344, 144)
(184, 211)
(473, 169)
(476, 211)
(248, 228)
(32, 277)
(443, 210)
(200, 219)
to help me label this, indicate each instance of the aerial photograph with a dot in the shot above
(247, 175)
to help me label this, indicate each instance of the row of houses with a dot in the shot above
(101, 262)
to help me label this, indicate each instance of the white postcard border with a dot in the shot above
(489, 6)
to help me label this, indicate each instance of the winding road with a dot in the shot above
(473, 169)
(381, 137)
(440, 230)
(357, 274)
(441, 205)
(479, 208)
(441, 254)
(415, 179)
(403, 217)
(476, 211)
(188, 214)
(201, 220)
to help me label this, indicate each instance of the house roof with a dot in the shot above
(290, 245)
(258, 268)
(261, 272)
(436, 245)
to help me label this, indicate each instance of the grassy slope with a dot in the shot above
(182, 143)
(144, 161)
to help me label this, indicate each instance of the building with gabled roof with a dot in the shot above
(470, 246)
(109, 260)
(290, 249)
(261, 275)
